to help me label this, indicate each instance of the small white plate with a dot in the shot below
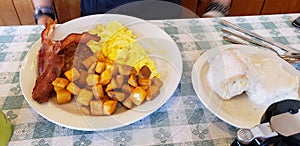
(239, 111)
(164, 51)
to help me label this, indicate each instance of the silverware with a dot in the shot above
(230, 39)
(248, 39)
(245, 31)
(288, 58)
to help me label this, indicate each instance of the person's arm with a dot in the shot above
(217, 8)
(44, 9)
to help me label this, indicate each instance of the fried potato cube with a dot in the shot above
(100, 56)
(85, 110)
(72, 74)
(120, 96)
(113, 83)
(145, 72)
(144, 82)
(109, 87)
(115, 69)
(119, 80)
(63, 96)
(152, 92)
(132, 81)
(138, 95)
(73, 88)
(100, 67)
(56, 88)
(127, 89)
(109, 107)
(109, 61)
(133, 71)
(96, 107)
(87, 87)
(126, 70)
(145, 87)
(91, 70)
(108, 64)
(89, 61)
(105, 77)
(60, 82)
(156, 82)
(106, 98)
(84, 97)
(92, 79)
(127, 103)
(81, 82)
(98, 91)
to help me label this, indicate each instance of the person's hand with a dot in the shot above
(43, 19)
(212, 14)
(217, 8)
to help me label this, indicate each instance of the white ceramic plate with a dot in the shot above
(164, 51)
(239, 111)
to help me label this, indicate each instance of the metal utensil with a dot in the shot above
(285, 124)
(289, 59)
(286, 54)
(245, 31)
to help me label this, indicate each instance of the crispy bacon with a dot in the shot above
(43, 85)
(47, 45)
(51, 61)
(77, 38)
(48, 32)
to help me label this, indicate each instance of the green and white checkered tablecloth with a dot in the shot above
(183, 120)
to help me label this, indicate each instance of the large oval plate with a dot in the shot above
(239, 111)
(164, 51)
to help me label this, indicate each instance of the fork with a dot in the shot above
(289, 50)
(286, 54)
(289, 58)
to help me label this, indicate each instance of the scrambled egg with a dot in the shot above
(119, 44)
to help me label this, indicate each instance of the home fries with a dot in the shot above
(102, 69)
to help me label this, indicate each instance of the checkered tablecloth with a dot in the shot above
(182, 120)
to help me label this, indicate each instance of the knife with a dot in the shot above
(253, 41)
(285, 124)
(248, 40)
(250, 33)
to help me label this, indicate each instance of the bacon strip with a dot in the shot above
(77, 38)
(43, 85)
(50, 62)
(47, 45)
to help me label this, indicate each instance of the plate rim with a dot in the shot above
(84, 126)
(197, 68)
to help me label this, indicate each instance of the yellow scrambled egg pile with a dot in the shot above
(118, 43)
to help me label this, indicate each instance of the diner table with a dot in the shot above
(182, 120)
